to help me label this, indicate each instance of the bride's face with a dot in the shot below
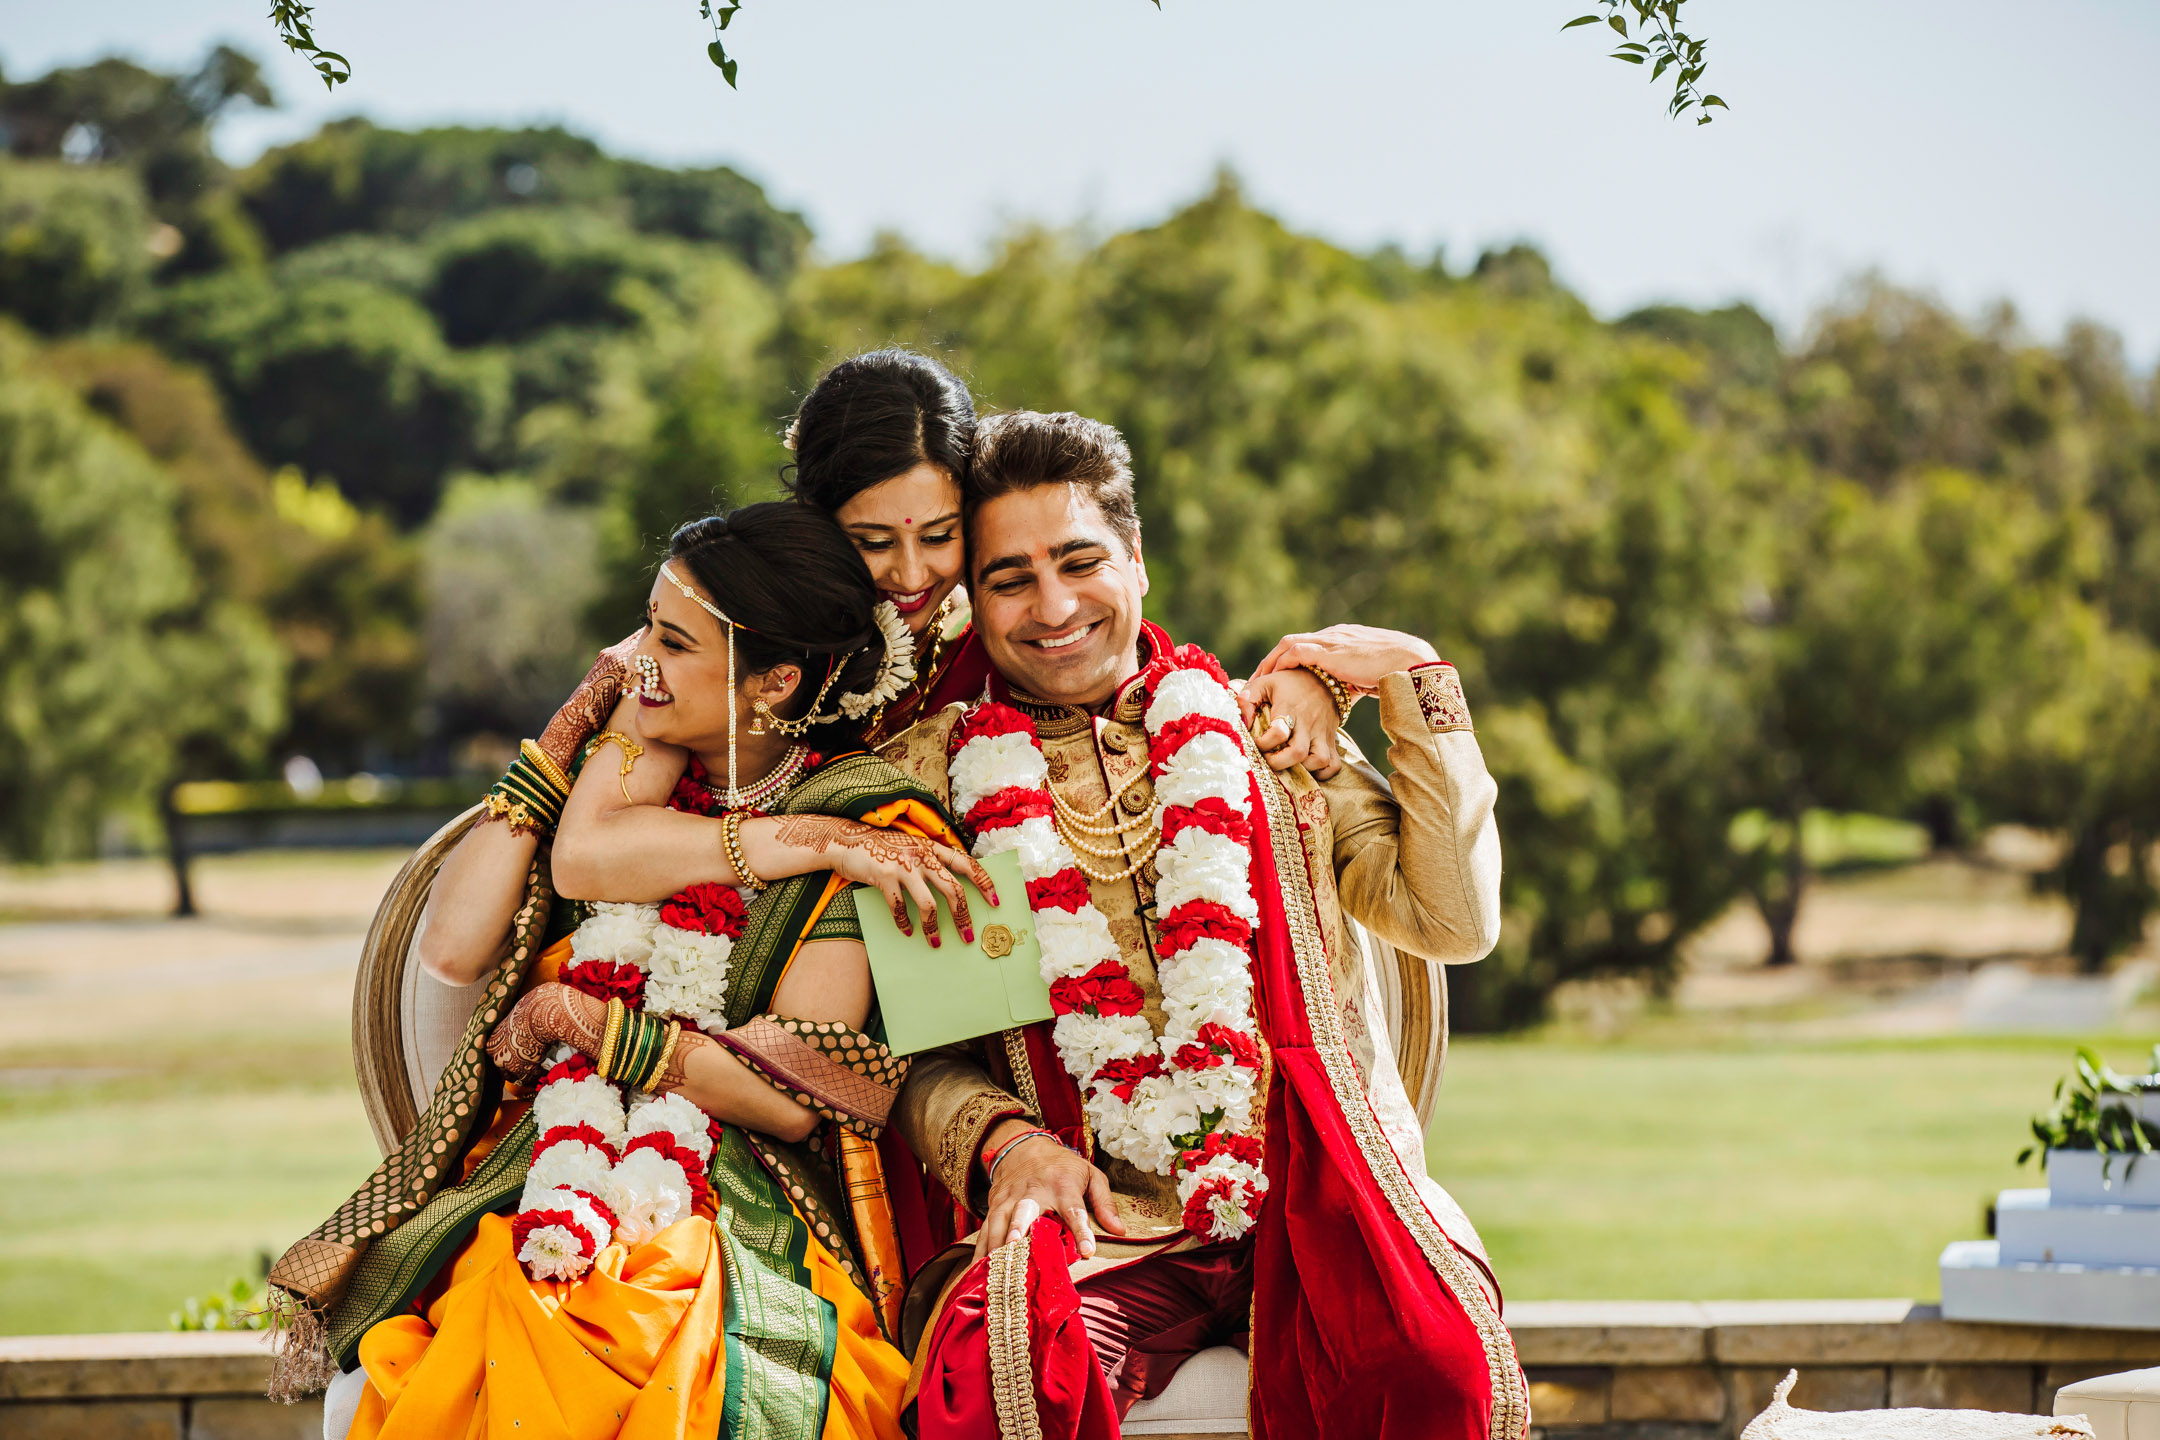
(908, 530)
(685, 643)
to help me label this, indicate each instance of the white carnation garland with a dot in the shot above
(1183, 1102)
(610, 1166)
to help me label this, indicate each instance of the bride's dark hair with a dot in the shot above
(798, 593)
(873, 417)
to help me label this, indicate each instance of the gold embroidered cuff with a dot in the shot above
(1440, 698)
(961, 1142)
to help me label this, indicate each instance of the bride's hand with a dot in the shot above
(590, 704)
(898, 865)
(553, 1014)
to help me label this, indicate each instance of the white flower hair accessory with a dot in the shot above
(895, 672)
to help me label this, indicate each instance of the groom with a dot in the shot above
(1356, 1285)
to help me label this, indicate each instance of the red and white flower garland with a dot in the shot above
(1180, 1103)
(610, 1167)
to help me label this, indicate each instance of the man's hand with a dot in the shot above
(1042, 1177)
(590, 704)
(1303, 721)
(1358, 655)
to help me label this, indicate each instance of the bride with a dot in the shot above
(646, 1198)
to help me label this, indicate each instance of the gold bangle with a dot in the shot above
(1337, 691)
(611, 1036)
(731, 835)
(667, 1053)
(630, 752)
(531, 750)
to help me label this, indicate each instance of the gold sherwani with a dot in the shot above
(1416, 865)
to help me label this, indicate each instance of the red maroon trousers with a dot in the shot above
(1356, 1331)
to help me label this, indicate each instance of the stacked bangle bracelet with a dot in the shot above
(635, 1047)
(530, 794)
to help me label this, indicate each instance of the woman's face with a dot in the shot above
(691, 706)
(908, 530)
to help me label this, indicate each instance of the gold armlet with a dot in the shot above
(631, 751)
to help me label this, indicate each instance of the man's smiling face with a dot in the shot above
(1056, 594)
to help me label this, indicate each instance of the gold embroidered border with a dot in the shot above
(1016, 1055)
(1012, 1376)
(961, 1140)
(1510, 1402)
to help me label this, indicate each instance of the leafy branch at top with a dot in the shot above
(1658, 41)
(719, 15)
(292, 19)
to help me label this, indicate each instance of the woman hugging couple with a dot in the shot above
(653, 1193)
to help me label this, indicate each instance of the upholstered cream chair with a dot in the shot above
(406, 1023)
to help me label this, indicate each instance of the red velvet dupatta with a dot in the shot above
(1368, 1321)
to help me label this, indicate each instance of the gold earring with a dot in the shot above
(759, 713)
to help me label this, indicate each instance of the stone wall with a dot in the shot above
(1632, 1370)
(1599, 1370)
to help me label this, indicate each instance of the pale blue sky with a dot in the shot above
(1979, 148)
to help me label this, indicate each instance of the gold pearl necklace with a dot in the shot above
(776, 780)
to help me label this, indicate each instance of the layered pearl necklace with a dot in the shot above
(1181, 1103)
(775, 783)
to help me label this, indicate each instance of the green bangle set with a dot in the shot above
(527, 798)
(641, 1050)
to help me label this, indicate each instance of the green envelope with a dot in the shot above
(959, 990)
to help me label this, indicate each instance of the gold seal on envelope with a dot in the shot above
(997, 941)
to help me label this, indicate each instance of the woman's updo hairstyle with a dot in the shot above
(798, 593)
(874, 417)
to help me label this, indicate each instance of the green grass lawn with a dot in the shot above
(1627, 1170)
(1734, 1171)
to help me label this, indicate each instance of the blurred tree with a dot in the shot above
(119, 667)
(114, 112)
(510, 581)
(351, 683)
(343, 379)
(74, 245)
(1739, 342)
(1886, 634)
(350, 605)
(353, 177)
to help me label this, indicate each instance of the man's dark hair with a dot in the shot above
(1028, 449)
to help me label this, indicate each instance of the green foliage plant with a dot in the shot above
(240, 1306)
(2092, 1115)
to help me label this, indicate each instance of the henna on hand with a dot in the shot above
(819, 833)
(590, 704)
(553, 1014)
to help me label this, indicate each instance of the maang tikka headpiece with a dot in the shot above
(896, 671)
